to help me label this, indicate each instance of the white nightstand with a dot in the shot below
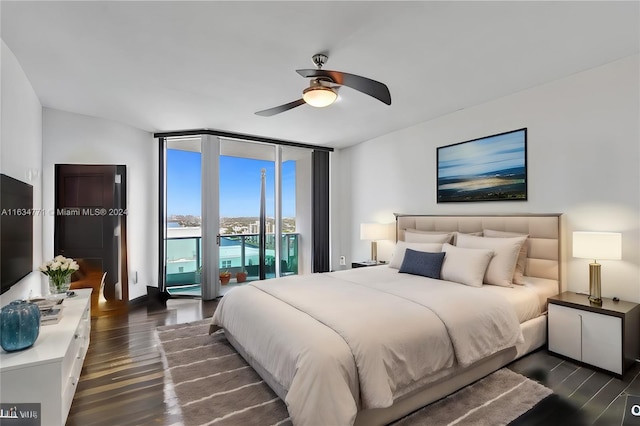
(366, 263)
(602, 336)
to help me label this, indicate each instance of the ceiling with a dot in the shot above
(174, 65)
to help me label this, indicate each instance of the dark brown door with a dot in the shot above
(90, 220)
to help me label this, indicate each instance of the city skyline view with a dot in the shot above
(240, 193)
(239, 185)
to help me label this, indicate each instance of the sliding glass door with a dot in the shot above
(236, 211)
(247, 211)
(264, 198)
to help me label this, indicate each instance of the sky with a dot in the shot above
(239, 185)
(482, 156)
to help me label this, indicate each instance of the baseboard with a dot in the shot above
(156, 297)
(138, 301)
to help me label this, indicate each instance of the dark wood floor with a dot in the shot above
(122, 380)
(582, 396)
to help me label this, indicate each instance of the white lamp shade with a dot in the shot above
(597, 245)
(319, 96)
(375, 231)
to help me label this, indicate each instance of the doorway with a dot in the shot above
(90, 227)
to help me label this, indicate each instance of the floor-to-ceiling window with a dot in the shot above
(183, 173)
(251, 178)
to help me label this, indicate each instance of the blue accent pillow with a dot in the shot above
(422, 263)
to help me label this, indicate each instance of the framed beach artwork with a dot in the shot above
(492, 168)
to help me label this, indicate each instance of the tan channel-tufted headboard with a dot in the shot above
(543, 255)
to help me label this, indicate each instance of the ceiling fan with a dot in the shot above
(324, 85)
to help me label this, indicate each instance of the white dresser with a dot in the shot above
(48, 372)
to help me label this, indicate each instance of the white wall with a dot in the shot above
(70, 138)
(21, 155)
(583, 161)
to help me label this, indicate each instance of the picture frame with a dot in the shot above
(491, 168)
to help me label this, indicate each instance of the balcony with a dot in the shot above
(237, 252)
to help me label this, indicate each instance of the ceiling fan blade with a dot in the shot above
(373, 88)
(282, 108)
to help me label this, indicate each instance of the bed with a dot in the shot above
(370, 345)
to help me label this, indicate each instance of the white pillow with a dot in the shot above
(455, 236)
(503, 263)
(464, 265)
(521, 263)
(416, 236)
(402, 246)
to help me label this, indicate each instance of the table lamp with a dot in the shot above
(596, 245)
(374, 232)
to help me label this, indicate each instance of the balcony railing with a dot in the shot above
(237, 252)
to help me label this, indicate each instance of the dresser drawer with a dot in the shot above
(74, 360)
(77, 348)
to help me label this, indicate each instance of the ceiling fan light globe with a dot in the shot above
(319, 96)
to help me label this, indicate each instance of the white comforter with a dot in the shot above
(349, 340)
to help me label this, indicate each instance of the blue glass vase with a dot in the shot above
(19, 325)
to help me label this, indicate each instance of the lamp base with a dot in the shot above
(594, 284)
(374, 251)
(595, 301)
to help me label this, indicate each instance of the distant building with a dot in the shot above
(254, 228)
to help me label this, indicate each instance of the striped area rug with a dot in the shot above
(209, 383)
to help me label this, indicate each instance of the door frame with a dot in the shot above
(116, 212)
